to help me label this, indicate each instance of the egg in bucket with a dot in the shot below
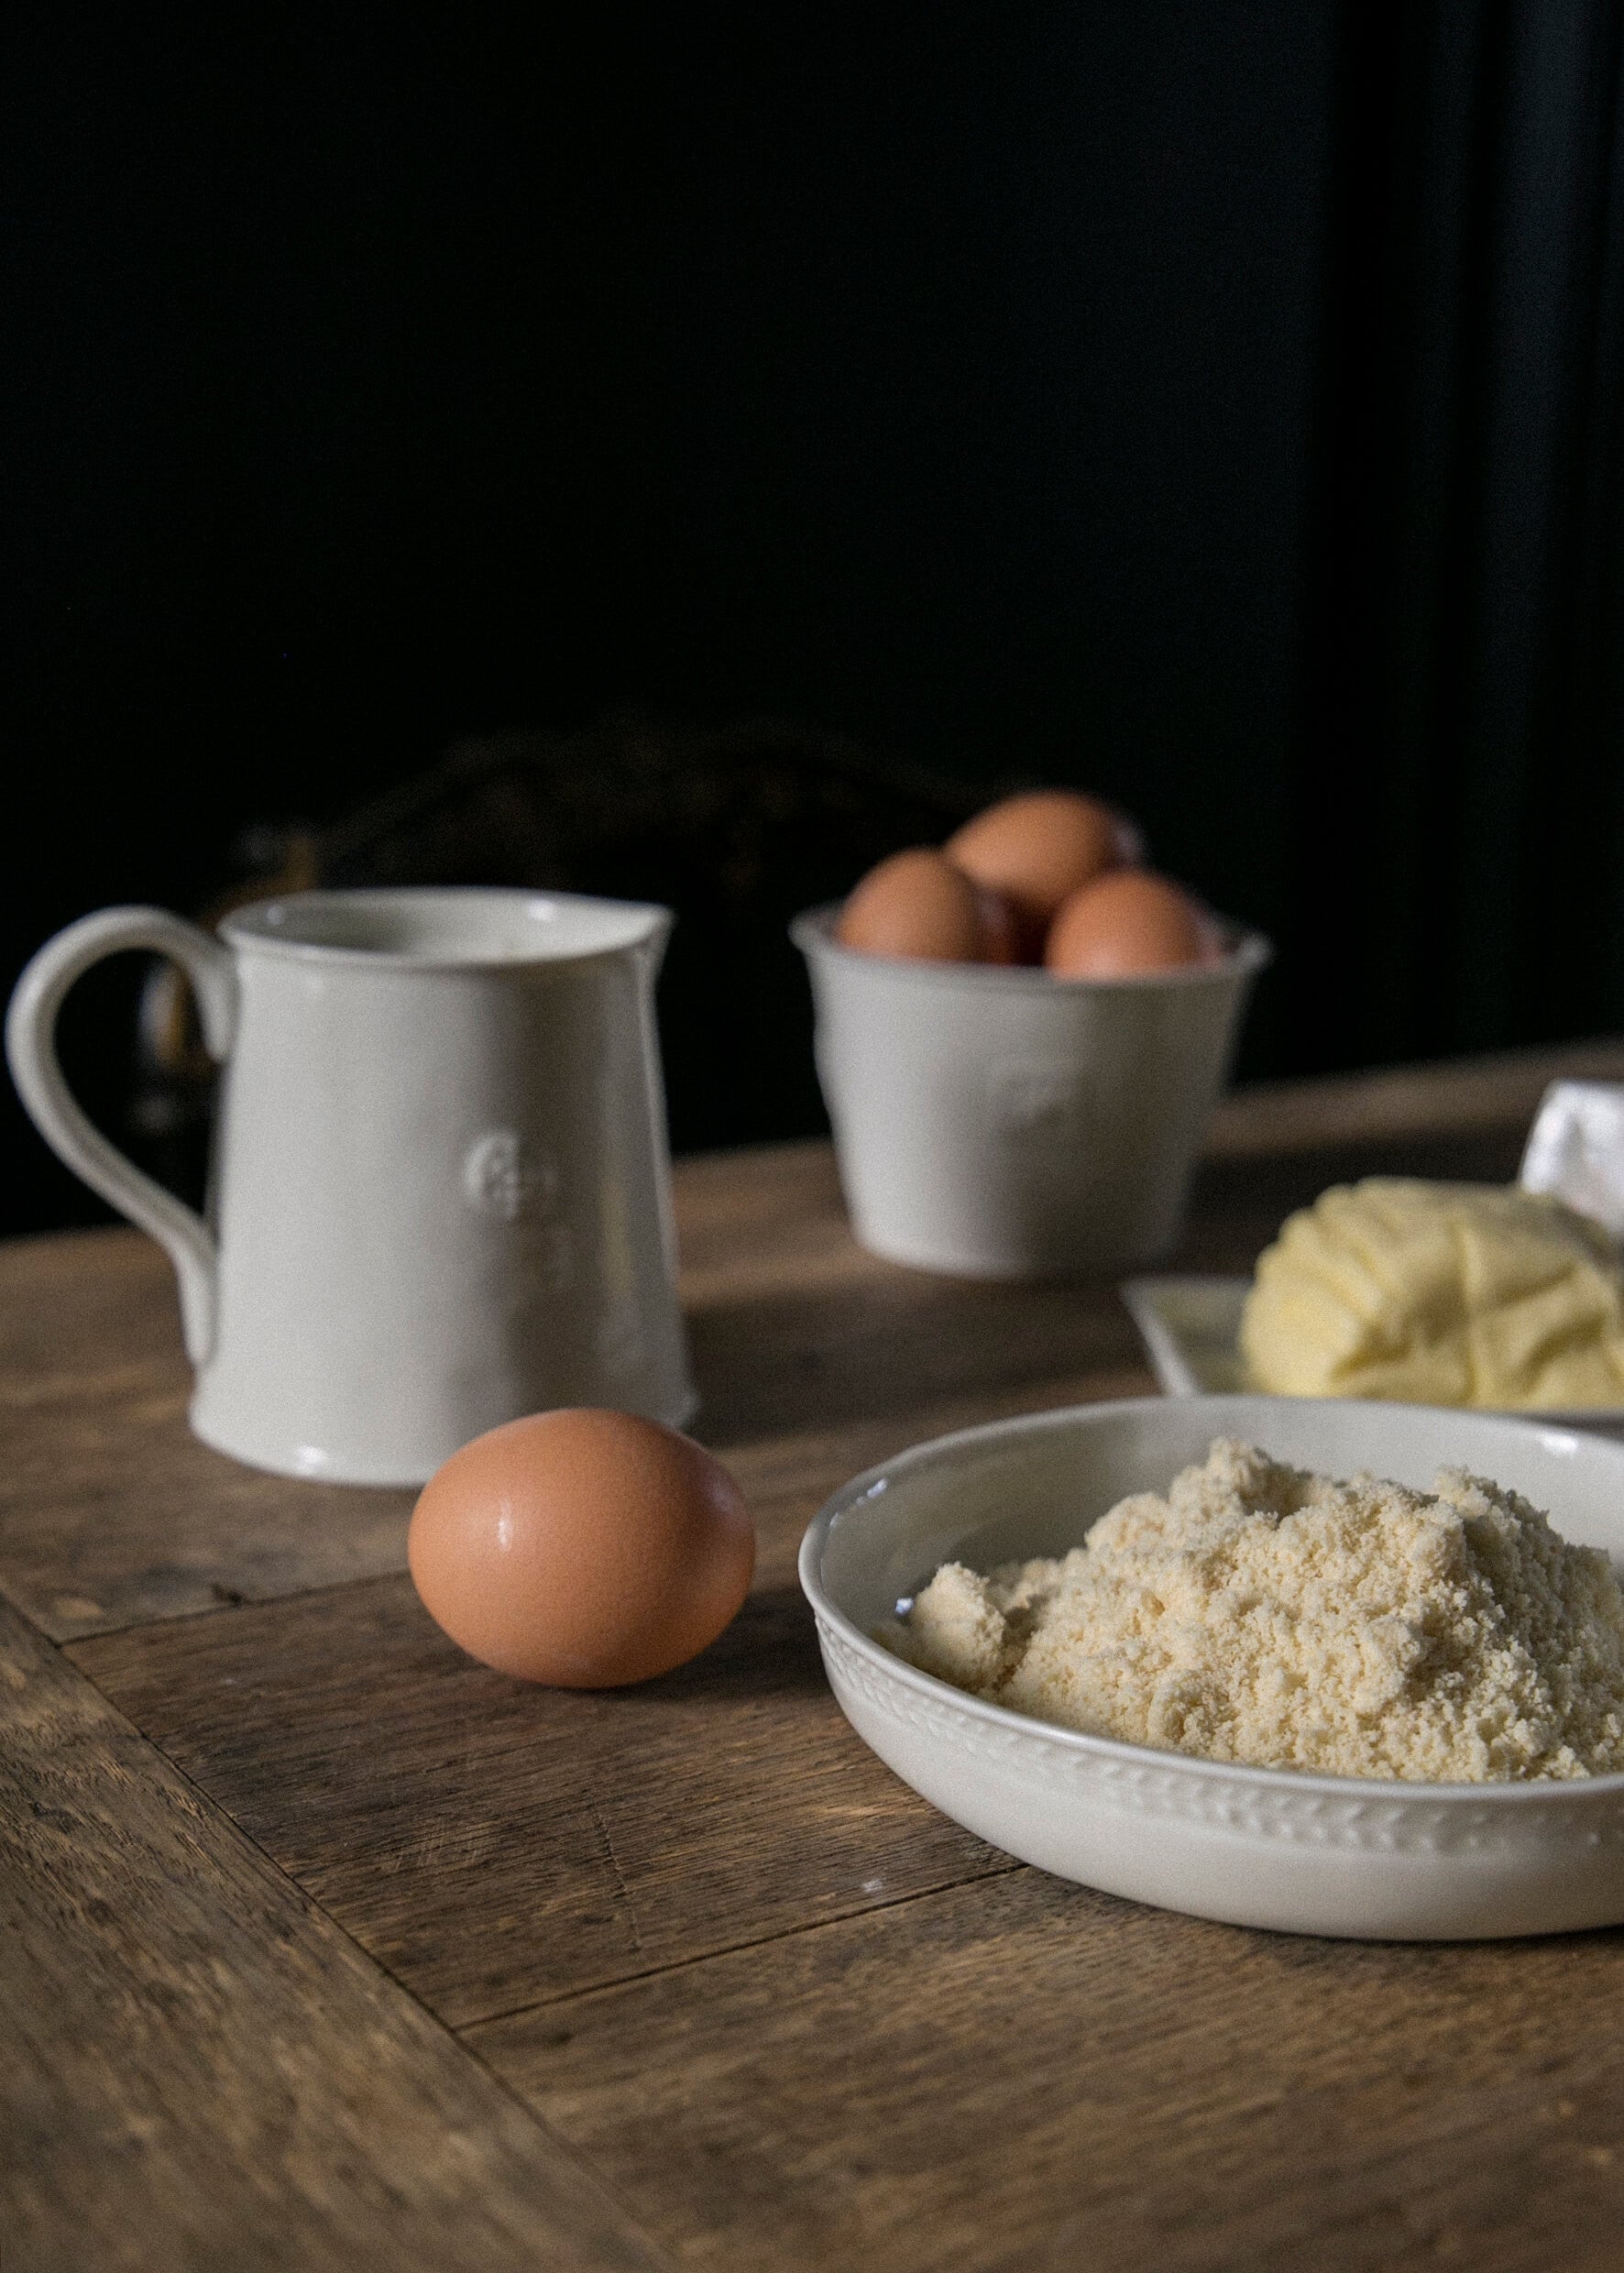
(1009, 1121)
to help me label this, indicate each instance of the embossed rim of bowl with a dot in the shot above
(1377, 1823)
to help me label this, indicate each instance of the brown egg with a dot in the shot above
(919, 905)
(1005, 935)
(1038, 848)
(583, 1548)
(1127, 923)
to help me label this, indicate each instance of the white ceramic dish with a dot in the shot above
(1003, 1123)
(1192, 1331)
(1252, 1846)
(440, 1185)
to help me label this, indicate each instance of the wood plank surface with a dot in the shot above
(1471, 1097)
(112, 1513)
(200, 2074)
(1023, 2074)
(110, 1509)
(767, 2008)
(495, 1844)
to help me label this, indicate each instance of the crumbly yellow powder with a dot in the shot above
(1262, 1614)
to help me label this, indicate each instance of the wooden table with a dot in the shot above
(323, 1947)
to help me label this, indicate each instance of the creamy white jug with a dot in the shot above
(440, 1194)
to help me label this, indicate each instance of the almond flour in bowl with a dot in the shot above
(1265, 1615)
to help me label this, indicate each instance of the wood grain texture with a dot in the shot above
(1022, 2074)
(787, 2013)
(110, 1509)
(495, 1844)
(1471, 1097)
(786, 1478)
(198, 2070)
(111, 1513)
(800, 1360)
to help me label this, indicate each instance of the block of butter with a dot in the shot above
(1439, 1294)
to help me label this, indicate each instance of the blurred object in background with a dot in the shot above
(1221, 410)
(738, 830)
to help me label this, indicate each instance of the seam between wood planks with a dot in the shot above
(203, 1614)
(203, 1617)
(624, 1892)
(941, 1415)
(211, 1808)
(1009, 1868)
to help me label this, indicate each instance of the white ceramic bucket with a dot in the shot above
(1003, 1123)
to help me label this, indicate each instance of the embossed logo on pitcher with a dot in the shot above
(507, 1178)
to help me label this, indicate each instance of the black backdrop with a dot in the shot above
(1214, 405)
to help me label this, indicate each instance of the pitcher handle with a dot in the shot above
(31, 1048)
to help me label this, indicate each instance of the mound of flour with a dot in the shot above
(1263, 1614)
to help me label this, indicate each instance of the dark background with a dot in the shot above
(1214, 405)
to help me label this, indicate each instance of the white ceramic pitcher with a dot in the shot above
(440, 1196)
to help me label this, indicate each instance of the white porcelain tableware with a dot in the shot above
(1190, 1327)
(440, 1194)
(1004, 1124)
(1575, 1149)
(1251, 1846)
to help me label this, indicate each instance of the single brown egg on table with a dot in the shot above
(1126, 924)
(583, 1548)
(918, 906)
(1038, 848)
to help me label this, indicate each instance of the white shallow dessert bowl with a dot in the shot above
(1264, 1847)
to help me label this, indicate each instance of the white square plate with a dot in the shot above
(1192, 1331)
